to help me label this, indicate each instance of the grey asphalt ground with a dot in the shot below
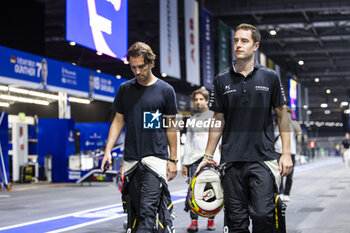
(320, 203)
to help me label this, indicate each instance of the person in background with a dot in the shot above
(295, 130)
(139, 105)
(196, 139)
(344, 149)
(44, 73)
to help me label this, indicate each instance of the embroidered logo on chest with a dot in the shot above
(262, 88)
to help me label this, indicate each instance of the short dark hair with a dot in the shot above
(248, 27)
(204, 92)
(141, 49)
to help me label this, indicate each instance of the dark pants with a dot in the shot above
(147, 188)
(248, 191)
(289, 181)
(191, 171)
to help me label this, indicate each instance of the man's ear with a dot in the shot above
(151, 64)
(256, 46)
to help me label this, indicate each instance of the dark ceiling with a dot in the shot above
(317, 32)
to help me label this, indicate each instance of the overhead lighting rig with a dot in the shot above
(22, 95)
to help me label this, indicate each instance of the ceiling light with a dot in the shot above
(335, 100)
(41, 102)
(72, 43)
(98, 71)
(347, 111)
(316, 80)
(126, 62)
(74, 64)
(328, 91)
(33, 93)
(4, 88)
(18, 90)
(324, 105)
(4, 104)
(164, 75)
(24, 100)
(273, 32)
(301, 62)
(79, 100)
(343, 104)
(327, 111)
(118, 76)
(308, 112)
(44, 95)
(99, 53)
(305, 106)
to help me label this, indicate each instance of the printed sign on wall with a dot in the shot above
(169, 38)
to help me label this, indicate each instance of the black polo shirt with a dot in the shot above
(346, 143)
(143, 108)
(247, 106)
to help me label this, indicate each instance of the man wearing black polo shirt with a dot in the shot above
(140, 104)
(242, 98)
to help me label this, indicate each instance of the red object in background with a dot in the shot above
(312, 144)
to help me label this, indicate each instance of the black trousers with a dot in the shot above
(191, 171)
(146, 191)
(248, 191)
(285, 189)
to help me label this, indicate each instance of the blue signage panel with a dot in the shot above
(32, 71)
(93, 136)
(207, 48)
(68, 78)
(104, 86)
(293, 98)
(98, 25)
(25, 68)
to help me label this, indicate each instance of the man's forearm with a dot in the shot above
(215, 134)
(171, 135)
(283, 125)
(114, 132)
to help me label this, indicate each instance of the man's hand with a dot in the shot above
(171, 171)
(201, 165)
(285, 165)
(185, 172)
(106, 158)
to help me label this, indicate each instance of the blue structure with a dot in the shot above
(4, 157)
(56, 137)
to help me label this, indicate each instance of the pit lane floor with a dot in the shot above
(320, 202)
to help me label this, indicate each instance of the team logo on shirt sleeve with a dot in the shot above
(152, 120)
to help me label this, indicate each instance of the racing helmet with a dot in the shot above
(206, 196)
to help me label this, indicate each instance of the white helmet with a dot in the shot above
(206, 193)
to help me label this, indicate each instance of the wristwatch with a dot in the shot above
(173, 160)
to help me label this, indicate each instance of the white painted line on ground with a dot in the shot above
(57, 217)
(81, 213)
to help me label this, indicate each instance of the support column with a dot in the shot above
(63, 106)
